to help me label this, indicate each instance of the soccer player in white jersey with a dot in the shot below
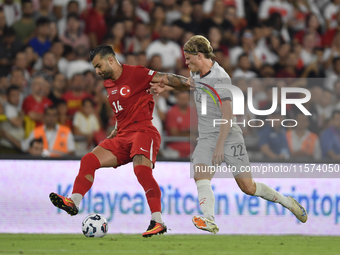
(218, 144)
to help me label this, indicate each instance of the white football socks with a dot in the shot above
(206, 198)
(76, 198)
(266, 192)
(157, 216)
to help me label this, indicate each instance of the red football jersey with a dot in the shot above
(30, 105)
(129, 95)
(74, 102)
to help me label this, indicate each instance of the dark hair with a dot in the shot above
(52, 107)
(87, 100)
(81, 51)
(67, 50)
(335, 60)
(72, 2)
(241, 56)
(11, 88)
(26, 2)
(102, 51)
(37, 140)
(72, 15)
(61, 101)
(42, 21)
(9, 31)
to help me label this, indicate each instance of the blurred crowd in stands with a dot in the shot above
(53, 104)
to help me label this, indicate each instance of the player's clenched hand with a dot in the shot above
(191, 83)
(158, 87)
(113, 134)
(218, 156)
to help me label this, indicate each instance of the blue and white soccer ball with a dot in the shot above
(95, 225)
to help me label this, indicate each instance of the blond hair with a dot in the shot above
(197, 44)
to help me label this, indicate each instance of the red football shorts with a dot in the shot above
(140, 138)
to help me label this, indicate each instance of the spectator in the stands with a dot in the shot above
(24, 28)
(157, 20)
(178, 123)
(215, 37)
(22, 63)
(216, 19)
(333, 74)
(186, 22)
(290, 69)
(35, 104)
(72, 7)
(130, 59)
(325, 108)
(57, 139)
(76, 94)
(63, 117)
(58, 88)
(45, 11)
(73, 35)
(40, 43)
(17, 78)
(81, 62)
(333, 51)
(36, 147)
(129, 10)
(9, 47)
(140, 41)
(273, 142)
(312, 26)
(172, 12)
(49, 67)
(302, 143)
(243, 69)
(85, 123)
(330, 11)
(170, 51)
(95, 24)
(247, 46)
(4, 84)
(116, 37)
(330, 139)
(12, 10)
(15, 119)
(307, 52)
(155, 63)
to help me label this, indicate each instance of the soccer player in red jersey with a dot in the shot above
(135, 138)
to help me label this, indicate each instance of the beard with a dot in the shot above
(108, 74)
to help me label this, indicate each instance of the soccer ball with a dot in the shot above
(94, 225)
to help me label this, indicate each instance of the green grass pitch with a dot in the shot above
(168, 244)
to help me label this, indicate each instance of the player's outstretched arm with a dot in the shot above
(177, 82)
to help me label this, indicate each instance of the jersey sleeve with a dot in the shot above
(144, 76)
(224, 93)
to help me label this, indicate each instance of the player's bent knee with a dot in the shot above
(248, 189)
(90, 160)
(141, 160)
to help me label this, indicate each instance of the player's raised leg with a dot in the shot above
(99, 157)
(259, 189)
(206, 199)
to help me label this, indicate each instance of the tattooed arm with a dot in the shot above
(168, 82)
(174, 81)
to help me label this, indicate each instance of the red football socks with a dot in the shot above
(88, 165)
(150, 186)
